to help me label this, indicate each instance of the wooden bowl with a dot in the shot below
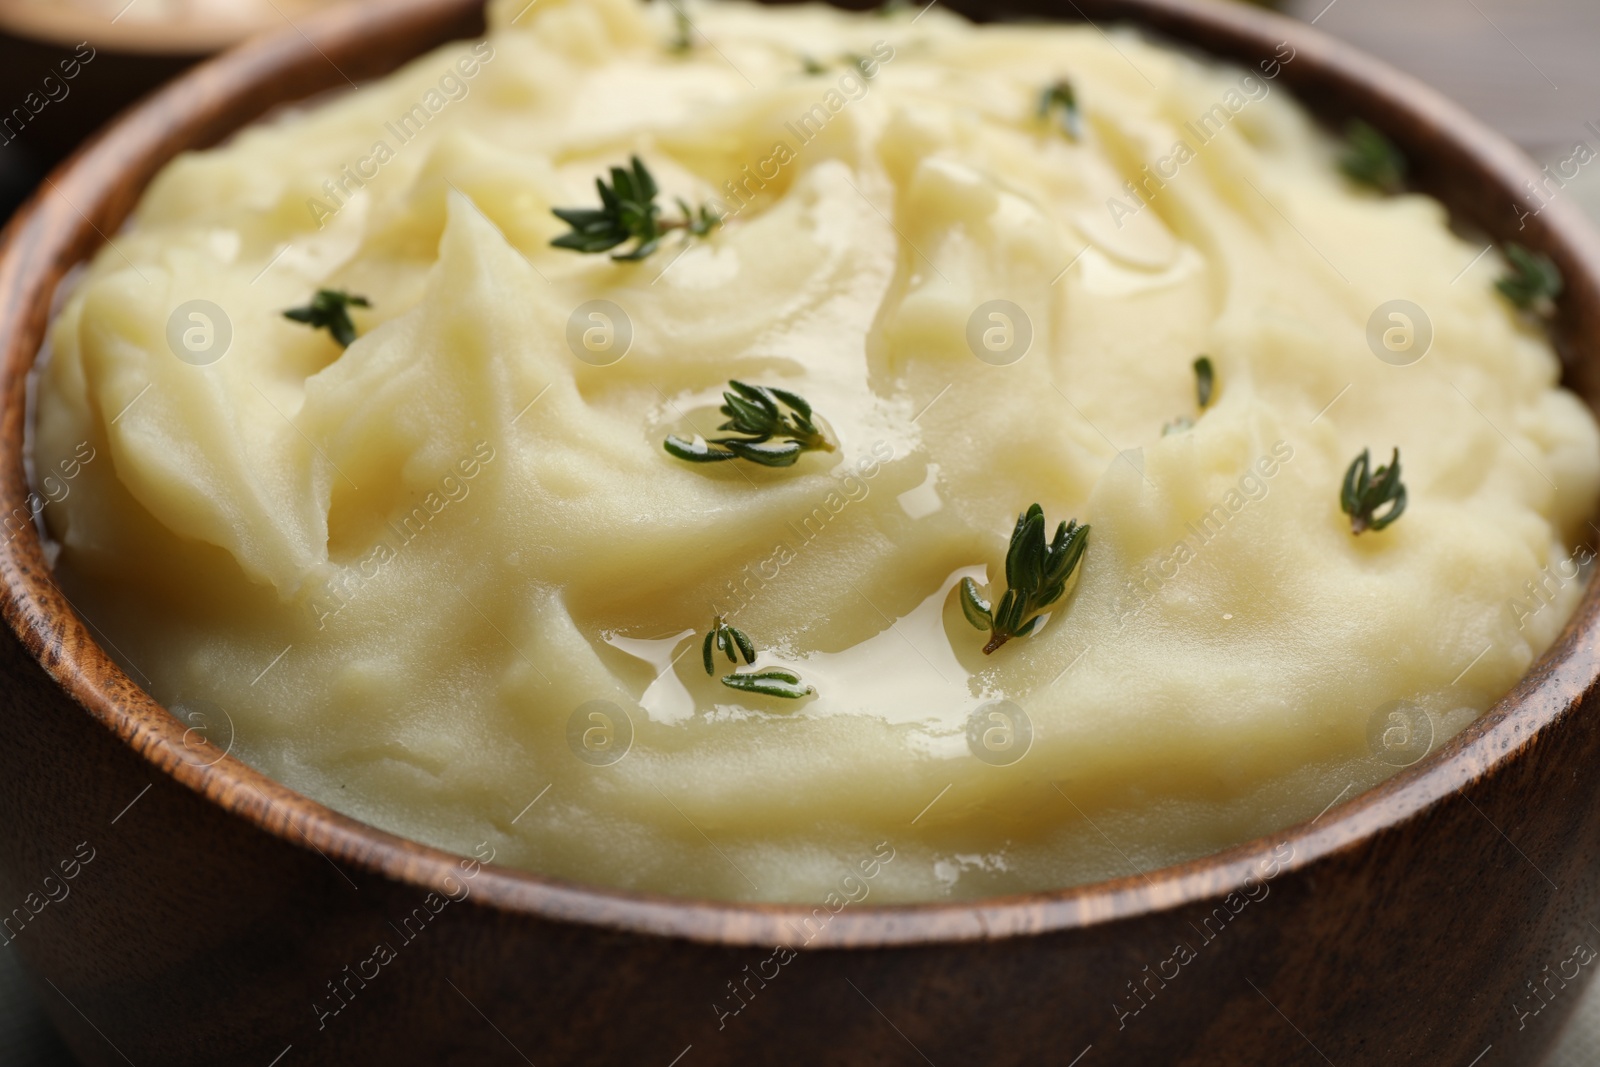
(96, 62)
(220, 917)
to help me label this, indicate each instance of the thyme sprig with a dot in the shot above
(1533, 282)
(1372, 159)
(1036, 577)
(1365, 491)
(628, 211)
(760, 414)
(1059, 96)
(729, 639)
(772, 682)
(330, 310)
(864, 65)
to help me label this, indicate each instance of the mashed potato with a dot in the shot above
(441, 580)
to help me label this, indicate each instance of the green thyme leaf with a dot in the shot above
(796, 402)
(730, 639)
(696, 451)
(1372, 159)
(1036, 577)
(330, 310)
(1205, 380)
(1025, 560)
(628, 211)
(1534, 281)
(772, 682)
(766, 453)
(1365, 491)
(746, 649)
(774, 426)
(683, 32)
(1061, 99)
(974, 607)
(699, 222)
(864, 65)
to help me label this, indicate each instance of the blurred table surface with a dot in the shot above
(1527, 67)
(1530, 68)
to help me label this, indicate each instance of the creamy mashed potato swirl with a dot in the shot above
(398, 576)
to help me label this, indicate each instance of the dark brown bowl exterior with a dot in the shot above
(178, 908)
(70, 109)
(66, 71)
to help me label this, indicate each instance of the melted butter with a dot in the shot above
(906, 673)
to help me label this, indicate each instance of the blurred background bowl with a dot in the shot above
(134, 46)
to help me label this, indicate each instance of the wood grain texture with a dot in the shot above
(220, 904)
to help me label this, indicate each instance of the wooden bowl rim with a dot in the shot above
(49, 236)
